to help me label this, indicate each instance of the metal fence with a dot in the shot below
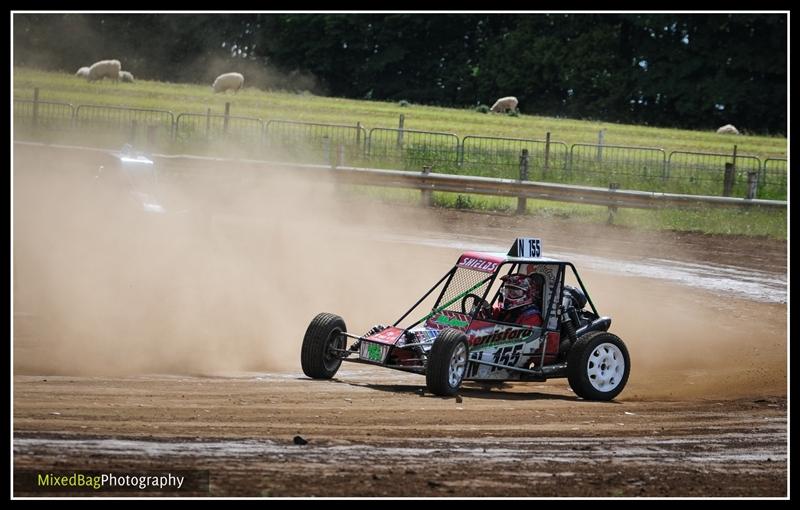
(408, 149)
(315, 142)
(629, 167)
(116, 124)
(499, 157)
(43, 114)
(606, 165)
(213, 132)
(774, 176)
(704, 173)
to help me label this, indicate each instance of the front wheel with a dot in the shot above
(319, 356)
(447, 363)
(598, 366)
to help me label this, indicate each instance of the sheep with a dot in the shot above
(125, 77)
(232, 81)
(728, 129)
(505, 104)
(83, 72)
(104, 69)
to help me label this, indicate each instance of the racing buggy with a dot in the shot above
(478, 330)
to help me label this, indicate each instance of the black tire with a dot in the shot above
(445, 348)
(598, 366)
(323, 334)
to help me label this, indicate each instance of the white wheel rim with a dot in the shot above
(458, 363)
(606, 367)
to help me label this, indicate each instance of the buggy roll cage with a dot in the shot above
(513, 263)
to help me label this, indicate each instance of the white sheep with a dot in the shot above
(104, 69)
(125, 77)
(83, 72)
(505, 104)
(728, 129)
(228, 81)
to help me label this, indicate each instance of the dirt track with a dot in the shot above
(375, 433)
(98, 307)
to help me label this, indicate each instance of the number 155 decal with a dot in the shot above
(508, 355)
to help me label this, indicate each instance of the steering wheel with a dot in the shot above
(484, 308)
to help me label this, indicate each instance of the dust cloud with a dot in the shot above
(689, 343)
(684, 342)
(228, 280)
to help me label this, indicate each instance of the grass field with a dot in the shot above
(181, 97)
(272, 105)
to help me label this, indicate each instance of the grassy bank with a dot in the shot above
(180, 97)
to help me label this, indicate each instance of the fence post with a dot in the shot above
(601, 137)
(35, 106)
(400, 131)
(546, 152)
(522, 202)
(426, 197)
(523, 165)
(225, 121)
(752, 185)
(612, 209)
(730, 174)
(358, 134)
(208, 123)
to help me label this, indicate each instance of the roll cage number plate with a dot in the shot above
(527, 247)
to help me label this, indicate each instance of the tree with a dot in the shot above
(683, 70)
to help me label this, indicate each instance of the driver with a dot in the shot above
(520, 299)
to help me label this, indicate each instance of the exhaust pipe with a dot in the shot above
(601, 324)
(552, 371)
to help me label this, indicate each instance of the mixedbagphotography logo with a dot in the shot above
(181, 481)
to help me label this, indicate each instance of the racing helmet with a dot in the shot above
(521, 290)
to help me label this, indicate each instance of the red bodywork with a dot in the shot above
(388, 336)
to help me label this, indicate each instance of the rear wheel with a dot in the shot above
(447, 363)
(318, 356)
(598, 366)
